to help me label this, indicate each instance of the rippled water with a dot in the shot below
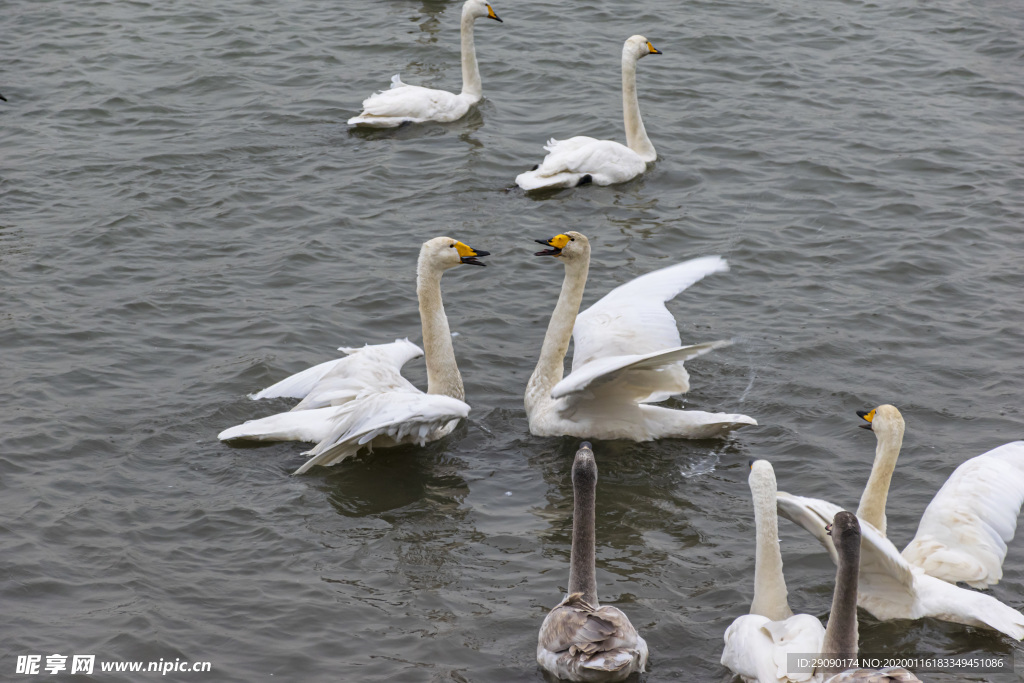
(185, 218)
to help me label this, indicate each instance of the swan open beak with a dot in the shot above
(558, 242)
(867, 415)
(492, 15)
(654, 50)
(469, 255)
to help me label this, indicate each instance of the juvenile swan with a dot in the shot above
(412, 103)
(580, 640)
(841, 633)
(581, 160)
(757, 644)
(628, 355)
(362, 399)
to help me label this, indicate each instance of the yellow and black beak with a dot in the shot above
(492, 15)
(558, 242)
(867, 415)
(469, 255)
(654, 50)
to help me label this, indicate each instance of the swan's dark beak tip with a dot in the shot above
(586, 444)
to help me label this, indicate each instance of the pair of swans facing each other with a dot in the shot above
(628, 356)
(758, 645)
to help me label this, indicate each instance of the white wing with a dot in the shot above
(646, 378)
(398, 416)
(758, 649)
(964, 530)
(632, 318)
(372, 367)
(883, 572)
(298, 425)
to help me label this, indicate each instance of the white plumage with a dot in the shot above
(581, 159)
(404, 103)
(628, 354)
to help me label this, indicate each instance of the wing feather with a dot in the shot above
(964, 530)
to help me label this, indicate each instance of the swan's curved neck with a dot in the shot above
(582, 571)
(636, 134)
(551, 364)
(841, 633)
(770, 594)
(471, 85)
(442, 372)
(872, 501)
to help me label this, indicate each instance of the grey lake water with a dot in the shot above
(185, 218)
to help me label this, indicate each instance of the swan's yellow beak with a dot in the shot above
(654, 50)
(558, 242)
(468, 254)
(492, 15)
(869, 416)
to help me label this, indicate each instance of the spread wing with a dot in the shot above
(372, 367)
(638, 378)
(884, 574)
(401, 416)
(964, 530)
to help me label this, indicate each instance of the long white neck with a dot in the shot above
(442, 373)
(636, 134)
(770, 594)
(551, 364)
(471, 85)
(872, 501)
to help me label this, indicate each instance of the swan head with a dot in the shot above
(638, 46)
(570, 247)
(845, 531)
(444, 253)
(584, 467)
(762, 478)
(478, 9)
(885, 421)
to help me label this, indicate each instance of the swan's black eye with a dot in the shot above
(452, 246)
(572, 239)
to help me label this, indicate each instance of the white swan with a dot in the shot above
(582, 160)
(415, 104)
(362, 399)
(628, 354)
(963, 532)
(580, 640)
(757, 645)
(962, 536)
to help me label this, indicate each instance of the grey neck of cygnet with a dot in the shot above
(841, 632)
(582, 571)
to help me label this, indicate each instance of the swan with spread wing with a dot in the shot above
(628, 355)
(362, 399)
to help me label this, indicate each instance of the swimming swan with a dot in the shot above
(415, 104)
(757, 645)
(964, 522)
(628, 354)
(963, 532)
(362, 399)
(581, 160)
(580, 640)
